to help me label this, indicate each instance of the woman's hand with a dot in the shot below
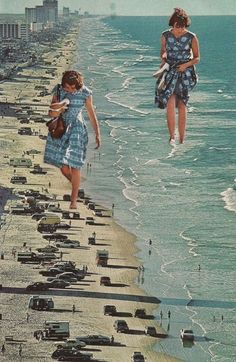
(181, 67)
(98, 141)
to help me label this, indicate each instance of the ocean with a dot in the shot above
(183, 198)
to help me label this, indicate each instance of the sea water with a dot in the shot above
(183, 197)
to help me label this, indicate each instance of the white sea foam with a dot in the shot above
(229, 197)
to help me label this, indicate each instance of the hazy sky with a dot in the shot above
(131, 7)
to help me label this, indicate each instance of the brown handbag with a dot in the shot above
(56, 126)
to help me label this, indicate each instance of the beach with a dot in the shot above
(88, 296)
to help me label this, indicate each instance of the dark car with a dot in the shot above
(95, 339)
(48, 249)
(55, 237)
(60, 284)
(18, 180)
(140, 313)
(150, 331)
(109, 310)
(120, 325)
(51, 272)
(63, 225)
(137, 357)
(37, 286)
(105, 281)
(64, 354)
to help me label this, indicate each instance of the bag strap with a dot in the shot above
(58, 92)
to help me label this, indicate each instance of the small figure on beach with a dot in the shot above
(214, 318)
(199, 267)
(61, 255)
(27, 317)
(94, 235)
(161, 314)
(112, 339)
(3, 348)
(69, 152)
(73, 308)
(113, 208)
(180, 50)
(150, 242)
(169, 314)
(20, 350)
(222, 318)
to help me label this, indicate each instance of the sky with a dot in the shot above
(130, 7)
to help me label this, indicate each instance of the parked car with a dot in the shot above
(38, 171)
(150, 331)
(33, 151)
(89, 220)
(55, 237)
(137, 357)
(18, 180)
(37, 216)
(105, 281)
(48, 249)
(67, 244)
(37, 286)
(51, 272)
(68, 277)
(97, 213)
(57, 283)
(140, 313)
(72, 343)
(63, 225)
(65, 353)
(186, 335)
(109, 310)
(120, 325)
(94, 339)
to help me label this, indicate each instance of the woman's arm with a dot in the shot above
(196, 56)
(56, 108)
(163, 50)
(93, 119)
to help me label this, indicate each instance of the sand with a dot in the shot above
(87, 295)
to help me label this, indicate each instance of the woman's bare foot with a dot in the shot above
(73, 205)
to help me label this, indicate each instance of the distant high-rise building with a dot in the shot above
(14, 31)
(51, 10)
(40, 15)
(30, 15)
(66, 12)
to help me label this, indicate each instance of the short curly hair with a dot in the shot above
(180, 18)
(72, 77)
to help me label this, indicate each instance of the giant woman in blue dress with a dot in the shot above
(177, 76)
(69, 152)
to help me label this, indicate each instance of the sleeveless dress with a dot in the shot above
(179, 83)
(71, 148)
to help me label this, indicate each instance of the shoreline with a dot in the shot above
(112, 233)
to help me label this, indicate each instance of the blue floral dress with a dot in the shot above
(71, 148)
(179, 83)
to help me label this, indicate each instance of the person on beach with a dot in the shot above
(177, 77)
(69, 152)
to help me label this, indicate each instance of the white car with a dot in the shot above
(186, 335)
(67, 244)
(67, 276)
(71, 343)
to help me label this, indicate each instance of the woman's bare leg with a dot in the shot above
(182, 120)
(66, 171)
(170, 113)
(75, 180)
